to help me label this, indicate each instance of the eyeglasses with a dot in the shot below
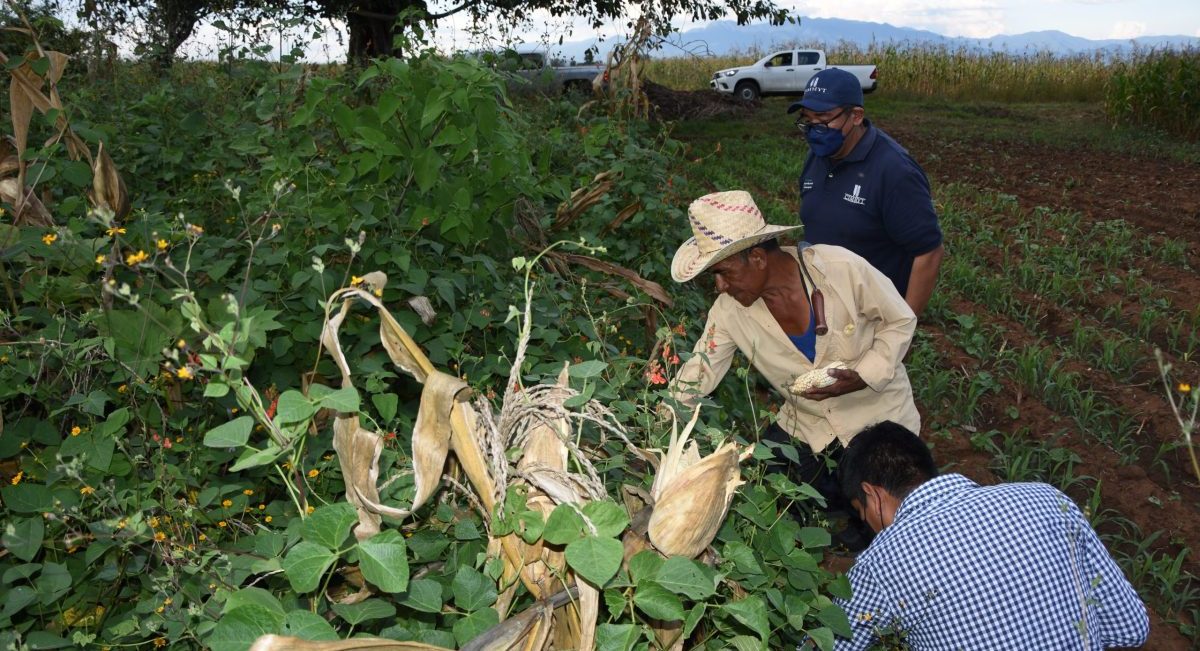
(805, 126)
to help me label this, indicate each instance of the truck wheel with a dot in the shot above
(746, 91)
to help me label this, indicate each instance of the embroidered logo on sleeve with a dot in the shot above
(854, 198)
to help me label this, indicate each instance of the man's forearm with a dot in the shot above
(923, 278)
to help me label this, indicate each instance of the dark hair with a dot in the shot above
(767, 246)
(886, 455)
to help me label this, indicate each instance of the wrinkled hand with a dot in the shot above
(847, 381)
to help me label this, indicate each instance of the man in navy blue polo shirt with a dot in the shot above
(861, 190)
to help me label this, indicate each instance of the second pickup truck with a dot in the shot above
(783, 73)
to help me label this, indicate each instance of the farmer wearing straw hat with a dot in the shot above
(792, 311)
(860, 189)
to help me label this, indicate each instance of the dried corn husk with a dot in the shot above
(108, 190)
(692, 495)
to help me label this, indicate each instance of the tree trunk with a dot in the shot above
(373, 27)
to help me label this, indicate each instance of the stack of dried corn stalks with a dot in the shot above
(690, 495)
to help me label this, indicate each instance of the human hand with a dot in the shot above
(845, 381)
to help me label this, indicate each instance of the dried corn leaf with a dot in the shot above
(431, 434)
(358, 453)
(651, 288)
(30, 211)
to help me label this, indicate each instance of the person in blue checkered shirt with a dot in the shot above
(956, 565)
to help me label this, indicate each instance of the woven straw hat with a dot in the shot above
(724, 223)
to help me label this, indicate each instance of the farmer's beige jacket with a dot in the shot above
(870, 329)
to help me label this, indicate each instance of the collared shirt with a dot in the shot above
(982, 568)
(876, 202)
(870, 329)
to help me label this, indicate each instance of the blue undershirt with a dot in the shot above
(807, 342)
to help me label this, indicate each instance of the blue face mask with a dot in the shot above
(824, 141)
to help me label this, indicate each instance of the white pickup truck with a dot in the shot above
(783, 73)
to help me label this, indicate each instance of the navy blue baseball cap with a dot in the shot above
(829, 89)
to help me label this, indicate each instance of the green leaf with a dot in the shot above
(16, 599)
(382, 561)
(308, 626)
(54, 582)
(293, 407)
(385, 404)
(23, 536)
(657, 602)
(43, 640)
(424, 595)
(472, 590)
(595, 559)
(835, 618)
(365, 611)
(645, 565)
(608, 518)
(693, 618)
(471, 626)
(752, 612)
(233, 434)
(563, 526)
(329, 525)
(532, 526)
(253, 458)
(216, 389)
(617, 637)
(306, 563)
(823, 637)
(344, 400)
(27, 497)
(587, 369)
(256, 598)
(814, 537)
(743, 557)
(686, 577)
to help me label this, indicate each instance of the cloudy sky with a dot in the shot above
(1093, 19)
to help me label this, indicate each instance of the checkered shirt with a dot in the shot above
(991, 568)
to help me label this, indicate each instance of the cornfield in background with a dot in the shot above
(916, 70)
(1157, 88)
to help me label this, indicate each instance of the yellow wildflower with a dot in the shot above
(183, 373)
(202, 537)
(378, 293)
(160, 641)
(268, 519)
(18, 477)
(135, 259)
(1184, 387)
(312, 474)
(101, 258)
(122, 523)
(262, 507)
(76, 431)
(310, 509)
(123, 388)
(87, 490)
(153, 522)
(248, 491)
(116, 230)
(168, 601)
(227, 503)
(162, 245)
(159, 536)
(194, 230)
(181, 344)
(222, 524)
(356, 280)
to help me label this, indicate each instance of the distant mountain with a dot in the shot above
(727, 37)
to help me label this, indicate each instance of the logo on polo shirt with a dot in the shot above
(854, 198)
(808, 185)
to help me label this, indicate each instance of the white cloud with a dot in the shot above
(1127, 29)
(973, 18)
